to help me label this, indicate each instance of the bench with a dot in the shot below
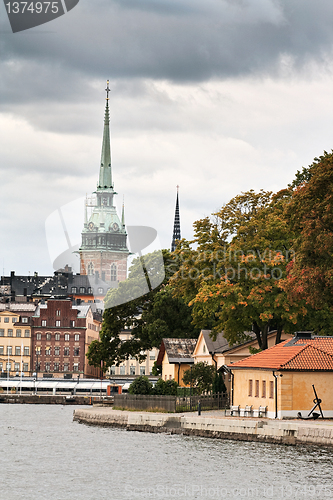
(234, 409)
(262, 411)
(248, 410)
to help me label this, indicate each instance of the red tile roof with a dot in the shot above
(297, 354)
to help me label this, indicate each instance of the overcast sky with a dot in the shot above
(218, 96)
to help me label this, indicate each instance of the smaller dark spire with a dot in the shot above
(176, 225)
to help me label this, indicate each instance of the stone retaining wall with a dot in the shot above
(290, 433)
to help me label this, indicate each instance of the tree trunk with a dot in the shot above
(257, 331)
(264, 337)
(278, 334)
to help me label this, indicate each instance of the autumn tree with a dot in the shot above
(310, 213)
(240, 258)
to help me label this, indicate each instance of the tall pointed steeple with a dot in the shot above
(123, 214)
(105, 174)
(176, 225)
(104, 251)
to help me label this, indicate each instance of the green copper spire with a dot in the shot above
(105, 174)
(123, 214)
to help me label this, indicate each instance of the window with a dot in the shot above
(6, 320)
(38, 351)
(10, 332)
(204, 348)
(58, 312)
(24, 320)
(17, 351)
(73, 289)
(90, 268)
(58, 322)
(122, 370)
(257, 389)
(76, 351)
(170, 377)
(14, 320)
(89, 290)
(66, 351)
(25, 367)
(101, 290)
(132, 370)
(8, 367)
(152, 355)
(9, 350)
(112, 370)
(113, 272)
(66, 337)
(271, 389)
(57, 351)
(56, 367)
(77, 337)
(16, 367)
(142, 370)
(27, 333)
(76, 367)
(26, 351)
(38, 336)
(48, 351)
(263, 394)
(82, 289)
(47, 367)
(1, 367)
(18, 333)
(43, 322)
(66, 367)
(250, 387)
(48, 336)
(2, 332)
(72, 323)
(57, 336)
(1, 349)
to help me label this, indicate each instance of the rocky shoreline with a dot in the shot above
(213, 425)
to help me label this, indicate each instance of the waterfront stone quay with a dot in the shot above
(213, 424)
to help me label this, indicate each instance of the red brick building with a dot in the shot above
(60, 336)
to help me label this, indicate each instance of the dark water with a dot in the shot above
(45, 455)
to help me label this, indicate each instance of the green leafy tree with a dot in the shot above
(156, 370)
(200, 377)
(165, 388)
(149, 314)
(218, 383)
(141, 385)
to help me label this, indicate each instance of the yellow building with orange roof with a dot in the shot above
(281, 379)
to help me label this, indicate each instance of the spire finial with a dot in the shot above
(107, 90)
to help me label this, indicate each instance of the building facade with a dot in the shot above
(61, 335)
(131, 367)
(15, 344)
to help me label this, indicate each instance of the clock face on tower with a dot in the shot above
(115, 226)
(91, 226)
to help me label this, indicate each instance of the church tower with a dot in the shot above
(104, 251)
(176, 226)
